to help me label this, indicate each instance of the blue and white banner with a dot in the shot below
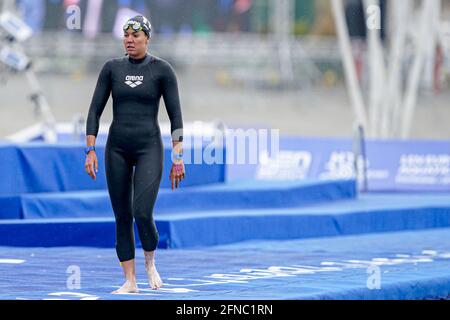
(391, 165)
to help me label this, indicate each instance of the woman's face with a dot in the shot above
(135, 43)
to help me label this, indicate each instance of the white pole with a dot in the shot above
(376, 62)
(372, 64)
(401, 10)
(414, 78)
(91, 21)
(430, 45)
(349, 66)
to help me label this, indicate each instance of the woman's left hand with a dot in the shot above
(177, 174)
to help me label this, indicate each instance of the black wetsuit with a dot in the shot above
(134, 140)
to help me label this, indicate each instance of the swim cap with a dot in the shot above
(139, 23)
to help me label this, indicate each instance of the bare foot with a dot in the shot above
(128, 287)
(154, 280)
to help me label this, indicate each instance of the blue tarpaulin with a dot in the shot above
(39, 167)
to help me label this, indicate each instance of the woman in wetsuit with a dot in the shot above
(136, 82)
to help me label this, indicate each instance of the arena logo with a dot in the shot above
(134, 81)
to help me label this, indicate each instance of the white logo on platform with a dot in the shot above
(134, 81)
(341, 165)
(287, 165)
(424, 169)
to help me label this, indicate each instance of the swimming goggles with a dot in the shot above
(136, 26)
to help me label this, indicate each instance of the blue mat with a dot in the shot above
(368, 214)
(232, 195)
(400, 265)
(39, 167)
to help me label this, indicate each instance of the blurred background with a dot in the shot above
(263, 63)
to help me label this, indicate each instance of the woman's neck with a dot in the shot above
(137, 59)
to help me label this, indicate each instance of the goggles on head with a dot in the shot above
(137, 26)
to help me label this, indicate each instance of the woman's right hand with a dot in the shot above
(91, 164)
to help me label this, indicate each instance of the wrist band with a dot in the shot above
(179, 156)
(89, 149)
